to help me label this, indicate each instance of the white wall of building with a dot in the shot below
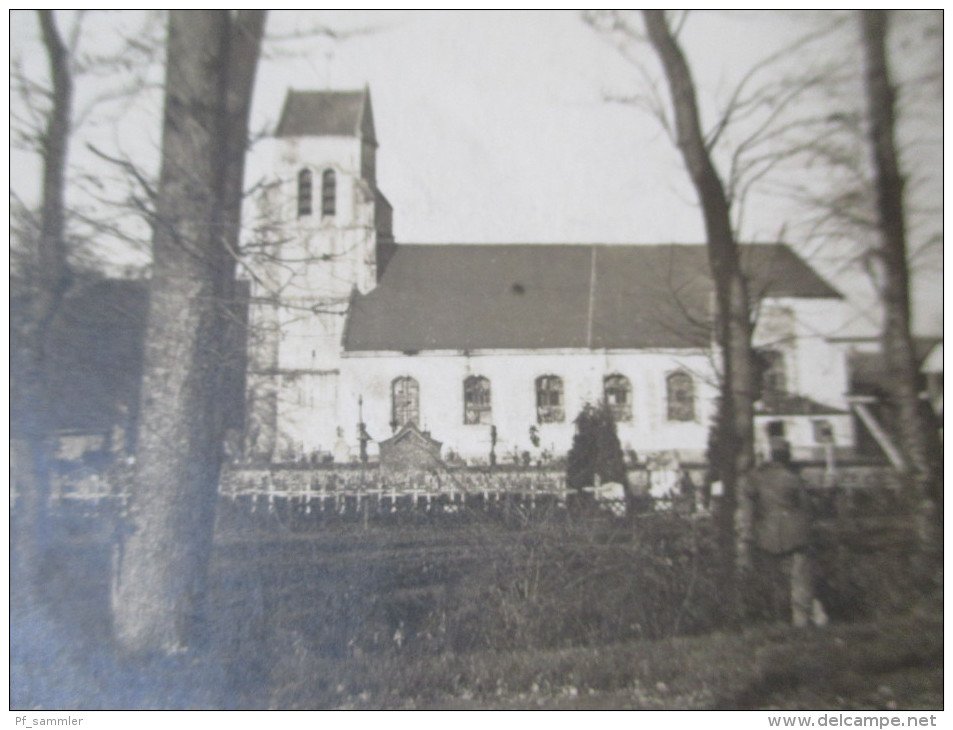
(318, 397)
(309, 269)
(318, 409)
(512, 378)
(821, 366)
(801, 434)
(324, 256)
(814, 368)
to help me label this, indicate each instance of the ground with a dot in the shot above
(459, 614)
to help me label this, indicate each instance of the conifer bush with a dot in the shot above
(595, 450)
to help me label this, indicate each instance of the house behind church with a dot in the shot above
(353, 336)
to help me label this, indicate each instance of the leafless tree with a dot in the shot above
(773, 121)
(160, 583)
(51, 245)
(830, 178)
(899, 357)
(733, 313)
(108, 79)
(755, 124)
(33, 309)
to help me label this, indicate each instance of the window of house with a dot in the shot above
(775, 429)
(477, 406)
(618, 394)
(328, 192)
(773, 380)
(405, 399)
(304, 193)
(680, 390)
(823, 431)
(549, 399)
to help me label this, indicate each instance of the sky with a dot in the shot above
(504, 126)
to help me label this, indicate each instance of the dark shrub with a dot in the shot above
(595, 450)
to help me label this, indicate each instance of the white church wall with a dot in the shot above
(341, 154)
(318, 409)
(341, 247)
(306, 422)
(314, 262)
(512, 377)
(310, 341)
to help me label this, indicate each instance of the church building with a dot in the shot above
(497, 348)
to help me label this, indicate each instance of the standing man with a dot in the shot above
(782, 524)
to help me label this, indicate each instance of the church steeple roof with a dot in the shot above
(327, 113)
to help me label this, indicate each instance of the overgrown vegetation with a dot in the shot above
(767, 666)
(469, 608)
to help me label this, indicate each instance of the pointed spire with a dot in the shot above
(365, 128)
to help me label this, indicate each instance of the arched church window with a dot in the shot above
(405, 399)
(549, 399)
(618, 394)
(328, 192)
(304, 193)
(477, 405)
(680, 389)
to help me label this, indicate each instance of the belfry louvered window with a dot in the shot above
(328, 192)
(304, 193)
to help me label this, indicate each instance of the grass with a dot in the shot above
(761, 667)
(887, 664)
(557, 614)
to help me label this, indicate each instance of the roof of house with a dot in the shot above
(868, 371)
(525, 296)
(932, 362)
(327, 113)
(791, 404)
(95, 357)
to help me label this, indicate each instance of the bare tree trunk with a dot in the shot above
(160, 587)
(733, 319)
(244, 49)
(899, 356)
(32, 319)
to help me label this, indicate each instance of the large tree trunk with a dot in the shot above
(244, 49)
(160, 588)
(31, 320)
(733, 319)
(899, 356)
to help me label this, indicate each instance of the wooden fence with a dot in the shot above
(353, 490)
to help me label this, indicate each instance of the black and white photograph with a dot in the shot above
(467, 360)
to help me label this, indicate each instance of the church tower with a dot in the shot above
(324, 232)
